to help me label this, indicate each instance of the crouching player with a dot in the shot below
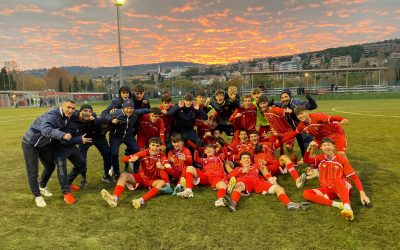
(249, 180)
(334, 169)
(211, 174)
(151, 162)
(179, 157)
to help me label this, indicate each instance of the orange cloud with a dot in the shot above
(204, 21)
(77, 8)
(187, 7)
(246, 21)
(21, 8)
(256, 8)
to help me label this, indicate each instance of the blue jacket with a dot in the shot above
(310, 104)
(185, 117)
(45, 128)
(124, 128)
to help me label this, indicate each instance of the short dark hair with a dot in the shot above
(155, 140)
(176, 137)
(247, 96)
(188, 97)
(166, 98)
(209, 146)
(327, 139)
(245, 153)
(201, 93)
(299, 109)
(262, 98)
(219, 92)
(253, 132)
(138, 88)
(155, 110)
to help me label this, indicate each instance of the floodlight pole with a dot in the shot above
(121, 82)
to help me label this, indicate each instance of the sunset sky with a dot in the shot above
(45, 33)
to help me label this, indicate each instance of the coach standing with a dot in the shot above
(36, 145)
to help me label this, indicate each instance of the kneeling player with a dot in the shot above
(249, 180)
(212, 174)
(334, 171)
(151, 161)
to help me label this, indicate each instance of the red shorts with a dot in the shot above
(275, 168)
(176, 173)
(143, 181)
(332, 193)
(210, 180)
(255, 185)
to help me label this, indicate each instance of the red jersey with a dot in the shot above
(173, 156)
(148, 130)
(235, 149)
(213, 165)
(148, 168)
(277, 120)
(321, 126)
(252, 175)
(329, 170)
(248, 119)
(266, 155)
(168, 120)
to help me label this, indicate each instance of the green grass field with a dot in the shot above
(168, 222)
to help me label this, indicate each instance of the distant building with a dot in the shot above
(316, 61)
(275, 66)
(341, 62)
(263, 65)
(394, 55)
(294, 64)
(381, 47)
(372, 62)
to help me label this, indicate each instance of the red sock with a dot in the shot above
(342, 191)
(150, 194)
(189, 180)
(164, 175)
(118, 190)
(221, 193)
(310, 195)
(284, 199)
(236, 196)
(292, 171)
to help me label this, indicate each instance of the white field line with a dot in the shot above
(354, 113)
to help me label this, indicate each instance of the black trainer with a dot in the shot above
(229, 203)
(108, 179)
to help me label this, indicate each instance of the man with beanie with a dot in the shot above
(124, 93)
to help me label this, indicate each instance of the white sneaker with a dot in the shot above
(301, 180)
(40, 201)
(231, 185)
(45, 192)
(219, 202)
(110, 199)
(187, 193)
(111, 172)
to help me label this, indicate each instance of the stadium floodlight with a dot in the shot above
(119, 3)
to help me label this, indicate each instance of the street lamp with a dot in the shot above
(119, 3)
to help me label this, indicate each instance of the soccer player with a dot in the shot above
(124, 93)
(185, 114)
(248, 180)
(151, 125)
(211, 174)
(236, 148)
(179, 157)
(334, 172)
(321, 126)
(262, 107)
(280, 126)
(121, 132)
(244, 117)
(264, 155)
(140, 102)
(36, 145)
(225, 108)
(151, 162)
(288, 103)
(67, 150)
(166, 104)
